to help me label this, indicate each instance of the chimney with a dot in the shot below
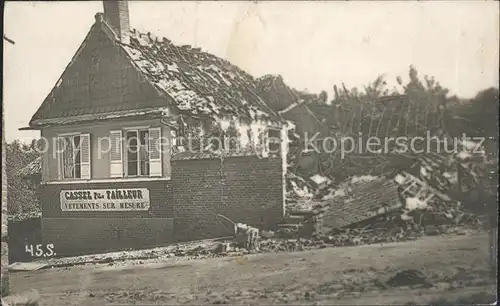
(117, 17)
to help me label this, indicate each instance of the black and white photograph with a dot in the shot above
(250, 152)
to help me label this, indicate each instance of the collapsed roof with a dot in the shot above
(197, 81)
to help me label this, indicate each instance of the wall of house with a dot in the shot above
(80, 232)
(99, 79)
(245, 189)
(100, 159)
(23, 233)
(77, 236)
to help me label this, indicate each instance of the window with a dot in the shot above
(71, 164)
(274, 141)
(141, 154)
(177, 138)
(137, 146)
(74, 156)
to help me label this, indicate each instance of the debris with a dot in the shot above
(359, 199)
(363, 178)
(222, 248)
(320, 181)
(429, 186)
(301, 192)
(108, 260)
(267, 234)
(408, 278)
(415, 203)
(420, 194)
(247, 237)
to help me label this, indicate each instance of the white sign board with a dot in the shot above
(105, 199)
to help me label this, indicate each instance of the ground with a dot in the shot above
(456, 266)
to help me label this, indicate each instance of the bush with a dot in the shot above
(21, 196)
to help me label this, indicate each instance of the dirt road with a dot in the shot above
(456, 265)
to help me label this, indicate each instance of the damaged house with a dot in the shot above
(135, 151)
(293, 105)
(147, 142)
(433, 177)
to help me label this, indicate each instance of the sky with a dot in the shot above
(313, 45)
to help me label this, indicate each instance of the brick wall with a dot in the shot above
(74, 233)
(117, 15)
(244, 189)
(22, 233)
(76, 236)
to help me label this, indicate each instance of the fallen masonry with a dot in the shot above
(423, 191)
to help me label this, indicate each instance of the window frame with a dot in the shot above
(269, 143)
(126, 152)
(176, 138)
(77, 152)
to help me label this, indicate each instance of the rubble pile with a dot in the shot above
(299, 193)
(382, 229)
(429, 193)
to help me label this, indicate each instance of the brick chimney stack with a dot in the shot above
(117, 17)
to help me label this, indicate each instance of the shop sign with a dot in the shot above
(105, 200)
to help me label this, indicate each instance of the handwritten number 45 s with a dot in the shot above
(40, 250)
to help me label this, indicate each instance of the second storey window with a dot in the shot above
(137, 146)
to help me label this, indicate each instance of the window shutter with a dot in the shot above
(85, 156)
(115, 154)
(155, 148)
(58, 155)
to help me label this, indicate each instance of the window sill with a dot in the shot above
(110, 180)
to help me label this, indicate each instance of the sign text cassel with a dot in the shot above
(105, 199)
